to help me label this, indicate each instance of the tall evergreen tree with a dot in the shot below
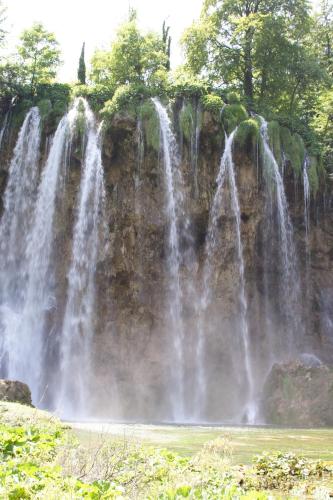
(167, 44)
(81, 73)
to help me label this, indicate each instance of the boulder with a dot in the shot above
(15, 391)
(299, 394)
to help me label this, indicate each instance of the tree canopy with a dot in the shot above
(38, 56)
(134, 57)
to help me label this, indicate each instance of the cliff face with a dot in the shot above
(133, 353)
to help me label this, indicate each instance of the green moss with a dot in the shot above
(233, 98)
(287, 388)
(45, 108)
(294, 149)
(151, 125)
(212, 103)
(313, 175)
(247, 131)
(187, 120)
(275, 140)
(233, 115)
(20, 111)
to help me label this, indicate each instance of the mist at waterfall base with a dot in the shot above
(210, 369)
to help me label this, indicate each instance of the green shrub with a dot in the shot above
(96, 94)
(186, 85)
(212, 103)
(126, 98)
(54, 92)
(282, 470)
(247, 131)
(233, 115)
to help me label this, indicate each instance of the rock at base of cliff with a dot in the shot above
(299, 394)
(15, 392)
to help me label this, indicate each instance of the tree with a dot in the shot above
(166, 38)
(236, 42)
(81, 73)
(2, 23)
(134, 57)
(39, 56)
(323, 35)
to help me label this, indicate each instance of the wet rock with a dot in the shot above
(15, 392)
(299, 394)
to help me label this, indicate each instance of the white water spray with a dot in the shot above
(15, 227)
(78, 325)
(173, 207)
(290, 293)
(226, 170)
(26, 330)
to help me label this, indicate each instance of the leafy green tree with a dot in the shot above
(134, 57)
(2, 23)
(38, 56)
(81, 73)
(240, 43)
(323, 35)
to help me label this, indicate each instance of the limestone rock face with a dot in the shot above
(132, 355)
(298, 394)
(15, 392)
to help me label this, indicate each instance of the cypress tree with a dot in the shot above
(166, 38)
(81, 73)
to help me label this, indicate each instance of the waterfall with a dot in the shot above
(173, 208)
(26, 334)
(290, 285)
(306, 191)
(226, 170)
(78, 324)
(15, 227)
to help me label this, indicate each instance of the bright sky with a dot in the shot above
(95, 22)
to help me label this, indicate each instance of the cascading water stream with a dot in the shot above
(290, 293)
(15, 226)
(173, 207)
(226, 170)
(27, 336)
(306, 191)
(78, 324)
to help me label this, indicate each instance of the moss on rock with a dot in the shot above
(294, 149)
(187, 120)
(248, 131)
(313, 175)
(233, 115)
(151, 125)
(212, 103)
(275, 140)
